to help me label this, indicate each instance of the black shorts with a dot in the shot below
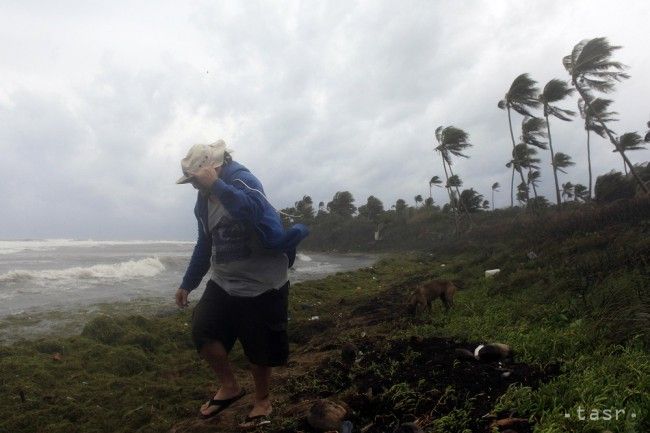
(259, 322)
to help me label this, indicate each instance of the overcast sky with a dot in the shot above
(100, 100)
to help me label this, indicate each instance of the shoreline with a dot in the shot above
(68, 320)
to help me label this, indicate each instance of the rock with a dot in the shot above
(325, 415)
(348, 353)
(409, 427)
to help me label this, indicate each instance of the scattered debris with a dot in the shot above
(57, 357)
(314, 318)
(531, 255)
(491, 272)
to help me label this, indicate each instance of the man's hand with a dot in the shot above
(206, 176)
(181, 297)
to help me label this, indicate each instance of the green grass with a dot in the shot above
(142, 374)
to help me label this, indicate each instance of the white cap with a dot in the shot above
(201, 155)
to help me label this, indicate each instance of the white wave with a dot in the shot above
(303, 257)
(120, 271)
(11, 247)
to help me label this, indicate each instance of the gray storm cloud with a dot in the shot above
(98, 104)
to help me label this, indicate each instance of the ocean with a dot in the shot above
(61, 274)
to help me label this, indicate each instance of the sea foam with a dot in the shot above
(131, 269)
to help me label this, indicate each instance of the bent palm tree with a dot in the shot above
(562, 161)
(533, 179)
(555, 91)
(434, 181)
(597, 110)
(495, 187)
(452, 142)
(520, 97)
(580, 192)
(591, 68)
(630, 141)
(567, 190)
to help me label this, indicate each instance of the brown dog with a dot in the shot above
(429, 291)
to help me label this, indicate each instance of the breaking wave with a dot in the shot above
(12, 247)
(118, 271)
(303, 257)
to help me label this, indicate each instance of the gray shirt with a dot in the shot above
(240, 264)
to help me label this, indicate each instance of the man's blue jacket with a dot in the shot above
(243, 197)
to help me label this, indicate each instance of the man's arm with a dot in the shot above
(244, 199)
(199, 265)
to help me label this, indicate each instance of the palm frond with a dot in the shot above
(533, 131)
(522, 95)
(630, 141)
(556, 90)
(496, 186)
(562, 161)
(590, 65)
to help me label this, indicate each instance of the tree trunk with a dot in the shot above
(533, 183)
(550, 145)
(589, 162)
(451, 200)
(513, 156)
(492, 199)
(512, 184)
(626, 160)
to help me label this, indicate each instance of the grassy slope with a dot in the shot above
(583, 302)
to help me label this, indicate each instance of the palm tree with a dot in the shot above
(555, 91)
(597, 110)
(591, 68)
(580, 192)
(562, 161)
(418, 199)
(567, 190)
(532, 133)
(434, 181)
(523, 158)
(647, 135)
(495, 187)
(520, 97)
(533, 179)
(630, 141)
(452, 141)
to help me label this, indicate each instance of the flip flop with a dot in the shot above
(221, 404)
(255, 421)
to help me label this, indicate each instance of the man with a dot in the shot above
(241, 238)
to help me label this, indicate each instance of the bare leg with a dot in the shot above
(217, 357)
(262, 377)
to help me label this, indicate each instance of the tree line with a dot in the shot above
(593, 72)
